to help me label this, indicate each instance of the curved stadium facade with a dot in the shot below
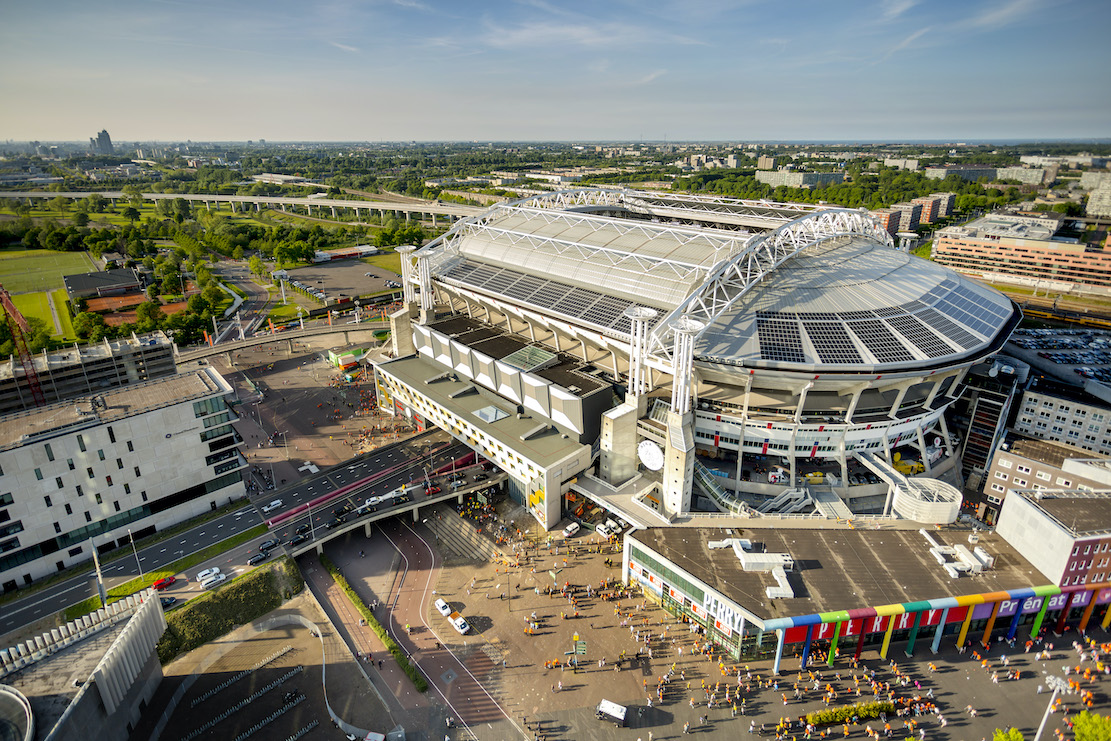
(661, 352)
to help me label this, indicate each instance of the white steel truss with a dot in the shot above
(733, 278)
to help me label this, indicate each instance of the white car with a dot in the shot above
(571, 529)
(208, 573)
(603, 531)
(443, 607)
(613, 528)
(213, 581)
(272, 506)
(459, 623)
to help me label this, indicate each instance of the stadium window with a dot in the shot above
(81, 443)
(88, 517)
(48, 502)
(49, 452)
(69, 509)
(111, 435)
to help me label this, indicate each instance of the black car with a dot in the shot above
(340, 511)
(300, 538)
(258, 558)
(304, 529)
(481, 477)
(167, 601)
(268, 545)
(336, 522)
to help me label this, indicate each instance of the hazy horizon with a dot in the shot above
(881, 71)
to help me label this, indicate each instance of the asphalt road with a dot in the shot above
(382, 470)
(18, 613)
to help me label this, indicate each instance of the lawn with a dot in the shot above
(388, 260)
(282, 314)
(64, 317)
(27, 271)
(35, 305)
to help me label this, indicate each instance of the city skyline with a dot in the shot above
(894, 70)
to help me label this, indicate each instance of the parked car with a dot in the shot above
(201, 576)
(459, 623)
(167, 601)
(164, 583)
(214, 581)
(272, 506)
(443, 607)
(571, 529)
(604, 531)
(613, 528)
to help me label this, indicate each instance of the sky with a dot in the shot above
(555, 70)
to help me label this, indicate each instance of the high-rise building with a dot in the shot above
(888, 219)
(791, 179)
(965, 172)
(930, 207)
(767, 162)
(945, 204)
(1099, 201)
(101, 143)
(910, 215)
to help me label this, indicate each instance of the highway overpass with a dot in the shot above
(362, 332)
(285, 203)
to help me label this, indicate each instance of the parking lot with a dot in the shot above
(342, 278)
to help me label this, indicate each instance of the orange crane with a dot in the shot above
(17, 325)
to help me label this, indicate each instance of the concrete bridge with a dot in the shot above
(351, 332)
(451, 211)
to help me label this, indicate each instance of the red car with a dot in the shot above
(432, 490)
(163, 583)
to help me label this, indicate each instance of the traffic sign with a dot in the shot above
(580, 647)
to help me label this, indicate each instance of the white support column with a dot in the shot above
(424, 281)
(639, 317)
(406, 253)
(685, 328)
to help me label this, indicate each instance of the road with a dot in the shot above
(59, 596)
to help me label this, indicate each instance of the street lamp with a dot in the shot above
(137, 563)
(1058, 685)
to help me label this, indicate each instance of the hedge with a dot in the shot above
(225, 608)
(391, 645)
(138, 584)
(862, 711)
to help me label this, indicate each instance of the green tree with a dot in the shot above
(149, 316)
(197, 304)
(1088, 726)
(256, 266)
(237, 253)
(81, 218)
(131, 214)
(61, 203)
(96, 203)
(86, 323)
(1011, 734)
(212, 294)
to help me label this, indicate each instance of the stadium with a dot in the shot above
(659, 354)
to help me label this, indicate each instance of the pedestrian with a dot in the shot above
(687, 727)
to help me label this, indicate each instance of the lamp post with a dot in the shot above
(133, 550)
(1058, 685)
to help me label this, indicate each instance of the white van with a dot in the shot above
(612, 712)
(272, 506)
(214, 581)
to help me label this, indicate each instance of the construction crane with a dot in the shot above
(17, 325)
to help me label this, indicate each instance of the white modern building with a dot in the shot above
(82, 473)
(642, 348)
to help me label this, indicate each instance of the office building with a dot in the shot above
(1002, 247)
(964, 172)
(620, 345)
(1064, 413)
(771, 592)
(930, 209)
(945, 204)
(101, 143)
(910, 215)
(140, 457)
(792, 179)
(888, 219)
(767, 162)
(1022, 463)
(87, 369)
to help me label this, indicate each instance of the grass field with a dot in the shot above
(388, 260)
(26, 271)
(64, 316)
(35, 305)
(282, 314)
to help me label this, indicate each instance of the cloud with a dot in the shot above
(1002, 14)
(892, 9)
(905, 43)
(412, 5)
(533, 35)
(657, 74)
(344, 47)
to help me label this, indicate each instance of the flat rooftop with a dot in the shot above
(837, 569)
(494, 342)
(48, 421)
(1009, 226)
(543, 449)
(80, 354)
(1046, 451)
(1079, 513)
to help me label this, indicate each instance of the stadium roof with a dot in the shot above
(824, 290)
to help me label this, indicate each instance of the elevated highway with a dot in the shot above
(364, 330)
(284, 203)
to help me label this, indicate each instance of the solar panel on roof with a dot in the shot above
(942, 324)
(921, 336)
(879, 340)
(832, 342)
(856, 315)
(779, 340)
